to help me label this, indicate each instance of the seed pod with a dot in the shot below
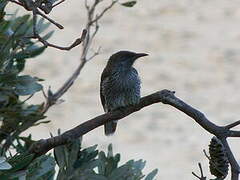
(218, 161)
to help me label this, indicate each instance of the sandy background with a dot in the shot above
(194, 49)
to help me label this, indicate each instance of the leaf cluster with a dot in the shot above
(90, 164)
(73, 162)
(25, 167)
(16, 46)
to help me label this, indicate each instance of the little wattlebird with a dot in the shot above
(120, 84)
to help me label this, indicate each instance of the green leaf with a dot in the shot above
(5, 177)
(3, 164)
(102, 165)
(40, 23)
(4, 98)
(151, 175)
(20, 64)
(5, 29)
(73, 155)
(27, 143)
(48, 35)
(95, 177)
(19, 162)
(30, 52)
(91, 148)
(129, 3)
(19, 175)
(108, 163)
(42, 168)
(110, 151)
(20, 25)
(31, 109)
(139, 165)
(86, 156)
(61, 174)
(7, 78)
(3, 4)
(42, 122)
(120, 173)
(41, 26)
(27, 85)
(60, 156)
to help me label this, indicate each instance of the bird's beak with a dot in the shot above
(138, 55)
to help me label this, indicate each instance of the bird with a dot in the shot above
(120, 84)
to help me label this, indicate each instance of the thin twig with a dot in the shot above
(232, 125)
(51, 100)
(33, 7)
(47, 44)
(86, 4)
(87, 41)
(58, 3)
(201, 177)
(16, 2)
(95, 32)
(92, 22)
(35, 11)
(44, 94)
(94, 54)
(67, 48)
(207, 156)
(27, 99)
(103, 12)
(49, 19)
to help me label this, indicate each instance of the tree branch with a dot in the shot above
(87, 39)
(35, 7)
(201, 177)
(53, 98)
(44, 145)
(104, 11)
(232, 125)
(233, 162)
(92, 22)
(47, 44)
(164, 96)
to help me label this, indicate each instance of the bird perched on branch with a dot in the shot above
(120, 84)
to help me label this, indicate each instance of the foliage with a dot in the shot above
(24, 166)
(129, 3)
(4, 165)
(90, 164)
(17, 46)
(74, 163)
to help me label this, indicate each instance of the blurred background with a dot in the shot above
(194, 49)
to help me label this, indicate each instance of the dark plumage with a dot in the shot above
(120, 84)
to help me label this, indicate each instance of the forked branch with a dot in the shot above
(88, 35)
(165, 97)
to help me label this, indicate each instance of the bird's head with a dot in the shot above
(124, 59)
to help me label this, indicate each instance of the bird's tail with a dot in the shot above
(110, 128)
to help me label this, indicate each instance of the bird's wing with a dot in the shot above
(104, 77)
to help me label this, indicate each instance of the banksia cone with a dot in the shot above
(218, 161)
